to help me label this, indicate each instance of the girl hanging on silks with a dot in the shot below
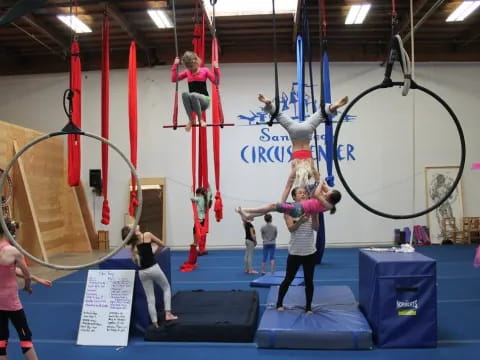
(323, 199)
(197, 98)
(300, 134)
(203, 199)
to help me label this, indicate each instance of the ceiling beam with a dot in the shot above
(423, 19)
(471, 37)
(113, 11)
(58, 39)
(417, 7)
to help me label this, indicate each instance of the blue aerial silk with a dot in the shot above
(320, 243)
(328, 125)
(300, 79)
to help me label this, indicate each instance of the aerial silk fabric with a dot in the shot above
(133, 121)
(217, 114)
(74, 148)
(105, 116)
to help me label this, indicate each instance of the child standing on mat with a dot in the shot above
(269, 234)
(150, 272)
(197, 98)
(10, 305)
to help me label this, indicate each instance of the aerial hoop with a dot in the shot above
(9, 191)
(67, 131)
(413, 86)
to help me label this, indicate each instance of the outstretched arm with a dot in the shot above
(24, 269)
(34, 278)
(320, 196)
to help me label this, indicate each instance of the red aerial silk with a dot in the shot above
(217, 114)
(200, 230)
(74, 154)
(133, 121)
(105, 115)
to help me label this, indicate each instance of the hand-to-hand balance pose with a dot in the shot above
(150, 272)
(322, 199)
(300, 134)
(196, 99)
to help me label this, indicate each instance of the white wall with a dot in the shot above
(382, 136)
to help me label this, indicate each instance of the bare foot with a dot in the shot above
(169, 316)
(203, 123)
(341, 102)
(280, 308)
(188, 127)
(264, 100)
(242, 214)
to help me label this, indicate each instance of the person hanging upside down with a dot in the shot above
(301, 134)
(150, 272)
(323, 199)
(197, 98)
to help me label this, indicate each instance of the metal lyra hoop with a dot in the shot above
(9, 193)
(138, 212)
(460, 134)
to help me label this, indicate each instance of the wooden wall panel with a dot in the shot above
(46, 207)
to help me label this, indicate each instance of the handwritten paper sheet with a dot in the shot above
(107, 304)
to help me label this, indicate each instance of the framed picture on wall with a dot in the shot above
(438, 181)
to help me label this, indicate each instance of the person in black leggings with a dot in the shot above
(301, 251)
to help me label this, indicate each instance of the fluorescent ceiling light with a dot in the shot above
(463, 10)
(160, 18)
(249, 7)
(74, 23)
(357, 14)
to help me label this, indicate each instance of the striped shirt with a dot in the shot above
(302, 241)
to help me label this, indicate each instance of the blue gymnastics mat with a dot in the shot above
(276, 278)
(336, 322)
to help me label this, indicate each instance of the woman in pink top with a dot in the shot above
(10, 305)
(323, 199)
(196, 99)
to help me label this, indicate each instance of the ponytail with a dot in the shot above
(132, 242)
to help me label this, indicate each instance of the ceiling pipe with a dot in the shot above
(423, 19)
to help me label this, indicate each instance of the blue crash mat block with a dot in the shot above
(336, 322)
(281, 273)
(398, 291)
(276, 278)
